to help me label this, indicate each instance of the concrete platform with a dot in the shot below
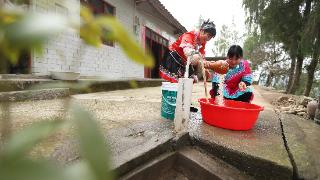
(76, 87)
(279, 147)
(32, 95)
(260, 149)
(303, 143)
(24, 88)
(301, 139)
(260, 152)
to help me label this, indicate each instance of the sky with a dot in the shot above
(187, 12)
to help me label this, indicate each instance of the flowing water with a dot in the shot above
(219, 99)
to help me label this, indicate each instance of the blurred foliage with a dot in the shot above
(96, 28)
(16, 165)
(21, 31)
(21, 143)
(92, 144)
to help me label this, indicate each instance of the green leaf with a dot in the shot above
(9, 16)
(86, 14)
(22, 31)
(35, 29)
(90, 31)
(80, 171)
(93, 147)
(24, 169)
(23, 141)
(133, 84)
(91, 34)
(115, 31)
(12, 53)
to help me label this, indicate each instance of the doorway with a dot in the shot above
(158, 45)
(22, 66)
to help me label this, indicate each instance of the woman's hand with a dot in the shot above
(195, 78)
(242, 86)
(195, 59)
(208, 74)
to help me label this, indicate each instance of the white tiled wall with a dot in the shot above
(66, 52)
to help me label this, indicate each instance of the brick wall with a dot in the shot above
(66, 52)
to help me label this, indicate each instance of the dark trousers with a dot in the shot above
(246, 97)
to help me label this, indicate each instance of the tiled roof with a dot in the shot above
(164, 12)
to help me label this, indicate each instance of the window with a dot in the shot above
(101, 7)
(148, 33)
(61, 9)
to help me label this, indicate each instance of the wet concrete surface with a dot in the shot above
(123, 107)
(259, 152)
(127, 144)
(136, 133)
(139, 139)
(303, 142)
(302, 139)
(261, 148)
(112, 109)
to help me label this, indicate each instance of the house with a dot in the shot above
(148, 20)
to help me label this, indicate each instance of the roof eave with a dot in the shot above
(164, 12)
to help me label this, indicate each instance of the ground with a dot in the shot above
(279, 143)
(112, 109)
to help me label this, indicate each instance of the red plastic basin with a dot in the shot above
(233, 115)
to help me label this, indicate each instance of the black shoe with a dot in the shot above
(193, 109)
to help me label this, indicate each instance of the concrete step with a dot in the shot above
(42, 89)
(77, 87)
(187, 163)
(41, 94)
(214, 166)
(23, 76)
(7, 85)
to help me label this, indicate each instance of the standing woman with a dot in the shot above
(190, 44)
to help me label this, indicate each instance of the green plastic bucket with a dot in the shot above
(168, 102)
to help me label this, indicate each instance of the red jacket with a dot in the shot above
(187, 39)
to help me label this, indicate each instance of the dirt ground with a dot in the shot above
(271, 95)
